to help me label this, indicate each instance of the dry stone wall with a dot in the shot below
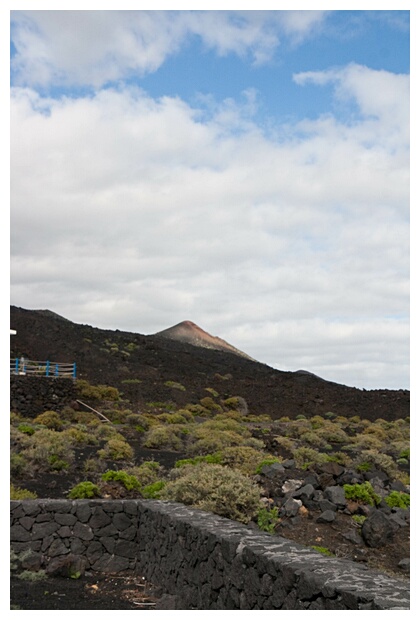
(31, 395)
(203, 561)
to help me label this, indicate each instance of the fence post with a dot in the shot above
(47, 369)
(74, 370)
(17, 365)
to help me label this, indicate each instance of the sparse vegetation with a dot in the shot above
(84, 490)
(217, 489)
(361, 493)
(17, 493)
(267, 519)
(129, 481)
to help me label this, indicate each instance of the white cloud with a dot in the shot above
(96, 47)
(147, 212)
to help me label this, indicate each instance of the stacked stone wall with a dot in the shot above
(202, 560)
(32, 395)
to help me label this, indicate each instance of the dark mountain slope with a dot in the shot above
(140, 366)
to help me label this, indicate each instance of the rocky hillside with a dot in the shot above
(159, 368)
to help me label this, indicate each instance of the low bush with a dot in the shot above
(267, 519)
(362, 493)
(396, 499)
(313, 439)
(175, 418)
(50, 419)
(84, 490)
(116, 449)
(146, 473)
(217, 489)
(96, 392)
(153, 490)
(208, 403)
(129, 481)
(208, 458)
(47, 448)
(26, 428)
(175, 385)
(242, 458)
(164, 437)
(305, 457)
(16, 493)
(381, 461)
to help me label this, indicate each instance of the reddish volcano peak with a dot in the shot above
(189, 332)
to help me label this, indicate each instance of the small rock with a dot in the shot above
(327, 516)
(352, 536)
(404, 564)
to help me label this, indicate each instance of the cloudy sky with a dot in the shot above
(246, 170)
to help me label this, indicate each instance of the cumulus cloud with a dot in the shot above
(94, 48)
(146, 212)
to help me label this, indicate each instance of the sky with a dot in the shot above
(245, 170)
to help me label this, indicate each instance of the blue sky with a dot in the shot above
(246, 170)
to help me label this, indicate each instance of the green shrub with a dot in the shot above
(48, 447)
(175, 385)
(146, 473)
(305, 457)
(198, 410)
(267, 461)
(365, 442)
(285, 442)
(84, 490)
(50, 419)
(19, 466)
(359, 519)
(333, 433)
(16, 493)
(381, 461)
(154, 490)
(339, 457)
(79, 435)
(130, 482)
(94, 465)
(208, 458)
(267, 519)
(313, 439)
(396, 499)
(208, 403)
(234, 402)
(362, 493)
(242, 458)
(208, 441)
(68, 414)
(212, 392)
(362, 467)
(56, 463)
(96, 392)
(164, 437)
(116, 449)
(217, 489)
(175, 418)
(404, 454)
(26, 428)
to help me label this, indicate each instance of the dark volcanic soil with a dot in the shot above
(124, 591)
(112, 358)
(115, 357)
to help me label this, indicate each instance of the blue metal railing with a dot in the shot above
(22, 366)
